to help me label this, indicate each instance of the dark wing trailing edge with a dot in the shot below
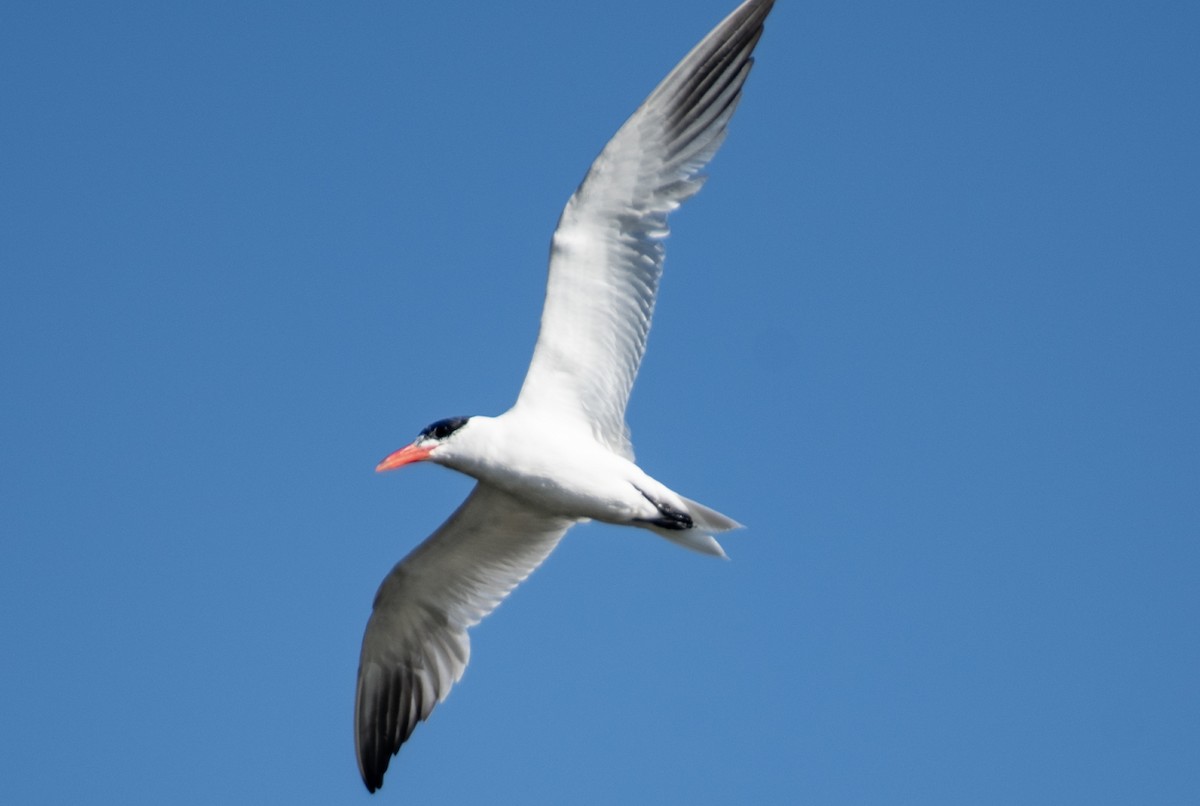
(416, 645)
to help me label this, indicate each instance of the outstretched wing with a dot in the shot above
(416, 645)
(607, 253)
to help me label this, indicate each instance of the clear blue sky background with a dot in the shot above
(931, 331)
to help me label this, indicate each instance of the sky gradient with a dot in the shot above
(931, 331)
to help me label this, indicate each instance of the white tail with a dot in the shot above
(709, 520)
(700, 537)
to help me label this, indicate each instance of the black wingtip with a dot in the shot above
(389, 705)
(372, 766)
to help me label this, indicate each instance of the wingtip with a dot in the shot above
(370, 744)
(372, 767)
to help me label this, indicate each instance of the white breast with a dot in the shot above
(558, 468)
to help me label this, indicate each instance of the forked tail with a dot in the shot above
(706, 523)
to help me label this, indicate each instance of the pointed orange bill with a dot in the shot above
(404, 456)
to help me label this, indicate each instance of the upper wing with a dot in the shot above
(607, 253)
(416, 646)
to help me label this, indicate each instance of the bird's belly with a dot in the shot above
(612, 500)
(594, 485)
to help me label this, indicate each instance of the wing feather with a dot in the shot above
(606, 255)
(416, 646)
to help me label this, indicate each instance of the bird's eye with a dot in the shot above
(444, 428)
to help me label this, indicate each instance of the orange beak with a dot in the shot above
(404, 456)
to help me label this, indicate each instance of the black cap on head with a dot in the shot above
(443, 428)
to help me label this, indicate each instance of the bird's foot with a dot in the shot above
(668, 516)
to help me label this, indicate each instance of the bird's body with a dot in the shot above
(562, 453)
(558, 471)
(555, 469)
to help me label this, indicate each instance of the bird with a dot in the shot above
(561, 454)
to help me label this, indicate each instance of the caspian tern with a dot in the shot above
(561, 454)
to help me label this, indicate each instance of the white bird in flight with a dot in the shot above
(561, 454)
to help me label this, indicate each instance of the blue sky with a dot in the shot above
(931, 331)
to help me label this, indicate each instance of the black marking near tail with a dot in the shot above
(669, 516)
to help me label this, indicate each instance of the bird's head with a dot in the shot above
(431, 442)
